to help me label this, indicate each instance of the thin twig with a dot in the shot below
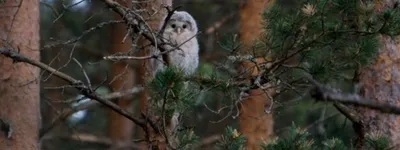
(167, 18)
(149, 56)
(66, 113)
(85, 90)
(135, 21)
(84, 33)
(84, 72)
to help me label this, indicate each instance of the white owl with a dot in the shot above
(181, 28)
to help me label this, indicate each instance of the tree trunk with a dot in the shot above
(122, 78)
(380, 81)
(254, 123)
(19, 82)
(154, 23)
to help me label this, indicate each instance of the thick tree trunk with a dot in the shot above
(254, 123)
(19, 82)
(381, 82)
(122, 78)
(158, 141)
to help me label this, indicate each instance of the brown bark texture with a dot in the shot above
(19, 82)
(381, 82)
(254, 123)
(122, 78)
(158, 141)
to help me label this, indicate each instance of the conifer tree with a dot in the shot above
(327, 40)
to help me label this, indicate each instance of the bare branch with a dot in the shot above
(98, 26)
(219, 23)
(68, 112)
(324, 93)
(89, 138)
(169, 15)
(85, 90)
(136, 21)
(147, 57)
(84, 73)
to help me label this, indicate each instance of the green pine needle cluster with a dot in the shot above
(170, 92)
(186, 139)
(299, 139)
(231, 140)
(377, 142)
(327, 37)
(296, 139)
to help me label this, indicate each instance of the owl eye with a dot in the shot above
(173, 25)
(184, 26)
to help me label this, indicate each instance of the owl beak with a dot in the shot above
(178, 30)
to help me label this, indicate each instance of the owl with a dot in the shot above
(181, 30)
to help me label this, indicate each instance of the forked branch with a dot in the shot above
(79, 85)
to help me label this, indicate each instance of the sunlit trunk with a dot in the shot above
(19, 82)
(254, 123)
(381, 82)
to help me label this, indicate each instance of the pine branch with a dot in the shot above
(324, 93)
(352, 115)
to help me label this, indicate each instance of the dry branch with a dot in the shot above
(149, 56)
(137, 23)
(219, 23)
(68, 112)
(85, 90)
(89, 138)
(324, 93)
(98, 26)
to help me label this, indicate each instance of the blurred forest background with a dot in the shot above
(218, 20)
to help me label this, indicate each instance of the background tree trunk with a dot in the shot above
(381, 82)
(254, 123)
(122, 78)
(51, 105)
(19, 82)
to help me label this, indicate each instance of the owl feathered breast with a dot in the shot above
(180, 31)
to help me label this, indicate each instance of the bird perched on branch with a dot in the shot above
(180, 32)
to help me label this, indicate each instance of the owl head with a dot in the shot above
(181, 22)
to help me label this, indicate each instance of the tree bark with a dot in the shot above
(254, 123)
(19, 82)
(158, 141)
(380, 81)
(120, 129)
